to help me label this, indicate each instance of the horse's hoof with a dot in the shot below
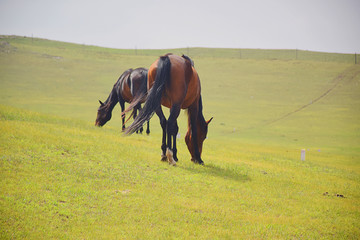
(170, 158)
(163, 158)
(197, 161)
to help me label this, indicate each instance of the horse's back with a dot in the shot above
(138, 76)
(138, 82)
(133, 83)
(184, 85)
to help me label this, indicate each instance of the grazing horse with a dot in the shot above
(131, 86)
(174, 83)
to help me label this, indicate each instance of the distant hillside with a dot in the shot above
(268, 98)
(238, 53)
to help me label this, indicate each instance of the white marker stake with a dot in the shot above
(303, 154)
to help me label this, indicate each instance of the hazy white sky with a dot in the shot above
(320, 25)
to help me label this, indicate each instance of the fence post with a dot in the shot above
(303, 154)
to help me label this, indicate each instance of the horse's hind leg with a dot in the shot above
(172, 129)
(174, 149)
(136, 109)
(163, 124)
(148, 128)
(134, 116)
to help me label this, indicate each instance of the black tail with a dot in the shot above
(153, 100)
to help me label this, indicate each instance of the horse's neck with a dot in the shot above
(200, 120)
(112, 100)
(200, 112)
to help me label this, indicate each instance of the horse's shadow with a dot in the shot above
(231, 172)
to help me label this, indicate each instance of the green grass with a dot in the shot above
(62, 178)
(66, 179)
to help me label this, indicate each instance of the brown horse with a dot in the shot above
(174, 83)
(130, 87)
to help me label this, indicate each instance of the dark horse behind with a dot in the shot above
(131, 87)
(174, 83)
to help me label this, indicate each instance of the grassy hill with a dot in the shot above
(63, 178)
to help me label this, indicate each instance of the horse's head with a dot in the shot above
(103, 115)
(202, 129)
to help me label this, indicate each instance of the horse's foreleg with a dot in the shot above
(163, 124)
(122, 105)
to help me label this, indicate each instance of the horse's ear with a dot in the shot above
(101, 103)
(207, 122)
